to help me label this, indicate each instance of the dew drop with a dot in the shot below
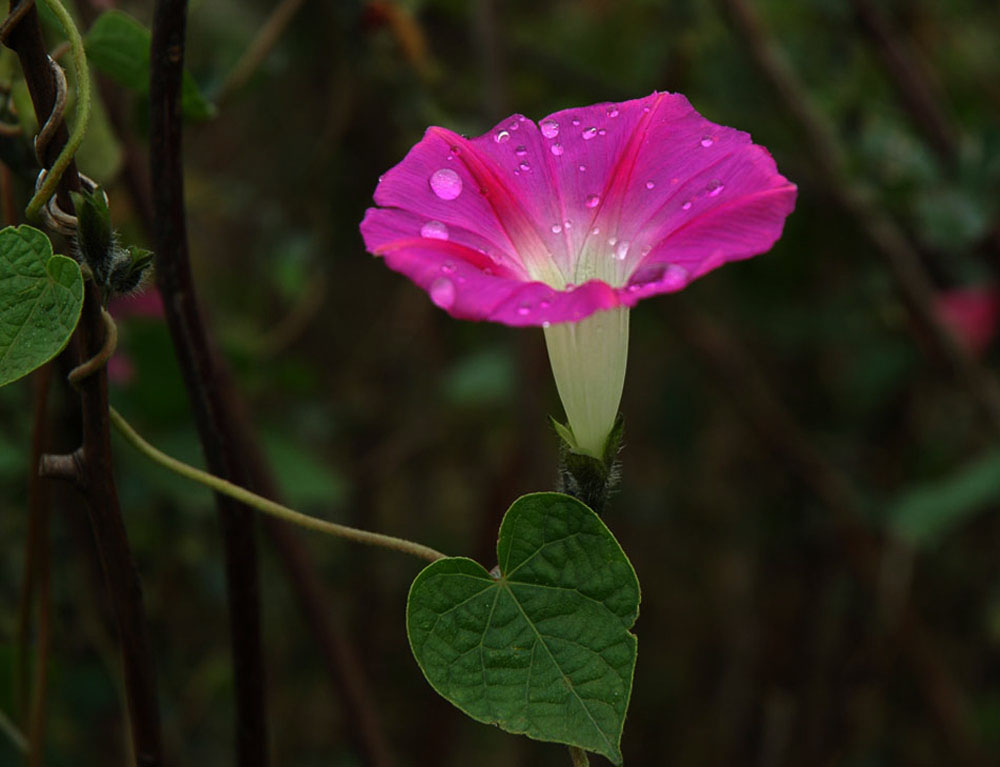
(544, 304)
(589, 133)
(602, 132)
(675, 278)
(524, 166)
(447, 267)
(576, 122)
(502, 137)
(546, 324)
(686, 205)
(446, 183)
(434, 230)
(592, 200)
(612, 111)
(621, 252)
(650, 184)
(550, 128)
(556, 228)
(647, 275)
(670, 276)
(514, 126)
(715, 187)
(443, 292)
(646, 249)
(596, 230)
(521, 151)
(612, 241)
(582, 168)
(567, 224)
(707, 141)
(556, 149)
(524, 310)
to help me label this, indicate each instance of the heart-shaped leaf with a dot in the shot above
(541, 646)
(41, 296)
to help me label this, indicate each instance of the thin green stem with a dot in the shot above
(263, 504)
(16, 736)
(579, 757)
(48, 187)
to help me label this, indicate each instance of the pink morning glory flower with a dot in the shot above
(568, 223)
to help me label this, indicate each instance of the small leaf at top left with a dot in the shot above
(41, 296)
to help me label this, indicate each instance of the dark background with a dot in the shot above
(810, 484)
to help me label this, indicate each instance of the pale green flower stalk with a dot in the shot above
(588, 361)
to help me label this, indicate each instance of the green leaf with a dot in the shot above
(41, 296)
(541, 646)
(118, 45)
(926, 513)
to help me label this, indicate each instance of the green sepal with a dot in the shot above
(542, 645)
(590, 479)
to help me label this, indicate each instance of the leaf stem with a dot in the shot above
(48, 187)
(242, 495)
(579, 757)
(16, 736)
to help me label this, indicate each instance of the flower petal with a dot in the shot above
(627, 200)
(459, 282)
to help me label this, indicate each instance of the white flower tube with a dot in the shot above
(588, 361)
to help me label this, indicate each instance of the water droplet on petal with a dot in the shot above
(647, 275)
(612, 241)
(524, 166)
(550, 128)
(556, 229)
(447, 267)
(646, 249)
(524, 310)
(521, 151)
(567, 224)
(686, 205)
(589, 133)
(446, 183)
(596, 230)
(675, 277)
(707, 141)
(602, 132)
(556, 149)
(592, 200)
(576, 122)
(650, 184)
(443, 292)
(544, 304)
(612, 111)
(501, 137)
(671, 276)
(715, 187)
(434, 230)
(621, 252)
(582, 168)
(514, 126)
